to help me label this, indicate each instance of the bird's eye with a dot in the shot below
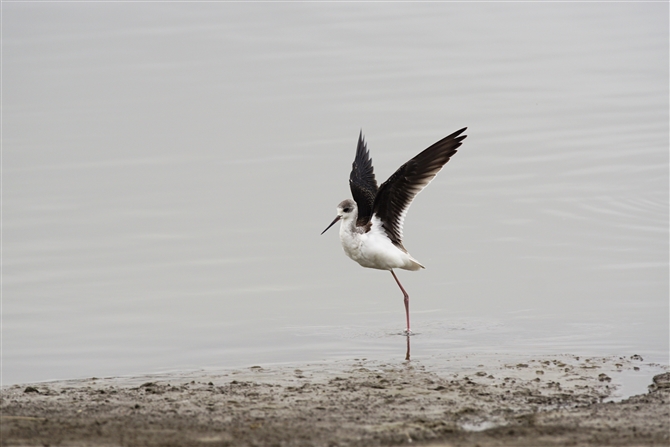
(347, 209)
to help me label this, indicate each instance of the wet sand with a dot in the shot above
(472, 401)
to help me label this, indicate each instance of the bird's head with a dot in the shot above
(346, 211)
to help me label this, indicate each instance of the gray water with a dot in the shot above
(167, 169)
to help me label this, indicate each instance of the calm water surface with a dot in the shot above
(167, 169)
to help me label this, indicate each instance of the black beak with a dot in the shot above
(332, 223)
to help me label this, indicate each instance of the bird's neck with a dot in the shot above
(349, 226)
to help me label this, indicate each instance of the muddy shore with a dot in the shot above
(553, 401)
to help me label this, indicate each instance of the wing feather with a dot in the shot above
(362, 182)
(395, 195)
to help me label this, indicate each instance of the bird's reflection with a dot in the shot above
(407, 354)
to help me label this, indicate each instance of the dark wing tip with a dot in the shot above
(456, 136)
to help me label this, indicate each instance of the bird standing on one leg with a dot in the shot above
(371, 224)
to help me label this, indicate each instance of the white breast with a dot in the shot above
(374, 249)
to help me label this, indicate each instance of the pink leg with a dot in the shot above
(404, 292)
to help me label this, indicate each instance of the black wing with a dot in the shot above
(396, 194)
(362, 182)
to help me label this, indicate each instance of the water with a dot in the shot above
(168, 167)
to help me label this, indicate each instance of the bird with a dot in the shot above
(371, 225)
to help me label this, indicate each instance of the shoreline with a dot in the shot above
(472, 400)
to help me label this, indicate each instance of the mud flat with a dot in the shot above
(471, 401)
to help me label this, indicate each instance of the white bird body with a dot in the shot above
(373, 249)
(371, 225)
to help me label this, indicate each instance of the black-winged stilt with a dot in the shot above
(371, 224)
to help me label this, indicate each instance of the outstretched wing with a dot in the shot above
(362, 182)
(396, 194)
